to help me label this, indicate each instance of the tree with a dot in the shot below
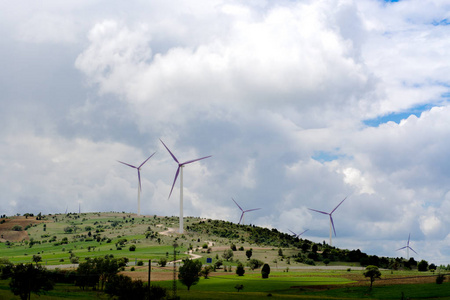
(372, 272)
(227, 254)
(36, 258)
(5, 268)
(205, 271)
(189, 272)
(162, 261)
(28, 278)
(265, 271)
(249, 253)
(239, 287)
(326, 261)
(123, 287)
(422, 266)
(254, 263)
(240, 271)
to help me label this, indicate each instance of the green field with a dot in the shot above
(106, 234)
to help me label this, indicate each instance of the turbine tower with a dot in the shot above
(331, 218)
(180, 171)
(139, 180)
(297, 235)
(407, 247)
(243, 212)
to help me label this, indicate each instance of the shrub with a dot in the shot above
(254, 263)
(162, 262)
(240, 271)
(440, 278)
(140, 263)
(132, 248)
(265, 271)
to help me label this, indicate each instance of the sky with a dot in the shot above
(300, 104)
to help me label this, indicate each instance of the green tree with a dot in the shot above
(189, 272)
(422, 266)
(240, 270)
(162, 261)
(265, 271)
(254, 263)
(249, 253)
(227, 254)
(326, 261)
(239, 287)
(205, 271)
(372, 272)
(5, 268)
(27, 279)
(36, 258)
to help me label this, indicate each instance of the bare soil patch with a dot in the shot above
(7, 234)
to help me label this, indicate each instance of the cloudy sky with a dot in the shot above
(300, 104)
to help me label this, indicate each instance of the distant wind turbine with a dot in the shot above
(180, 171)
(331, 218)
(297, 235)
(139, 180)
(407, 247)
(243, 211)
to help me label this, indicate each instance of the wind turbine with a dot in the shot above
(297, 235)
(180, 171)
(243, 211)
(331, 218)
(139, 179)
(407, 247)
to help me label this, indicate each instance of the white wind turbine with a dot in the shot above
(298, 235)
(407, 247)
(180, 171)
(331, 218)
(243, 211)
(139, 180)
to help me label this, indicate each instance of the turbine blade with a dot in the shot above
(322, 212)
(409, 236)
(173, 184)
(251, 209)
(242, 215)
(332, 223)
(302, 232)
(413, 250)
(191, 161)
(127, 164)
(400, 248)
(338, 205)
(293, 233)
(237, 205)
(173, 156)
(146, 160)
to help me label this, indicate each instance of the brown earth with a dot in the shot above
(7, 234)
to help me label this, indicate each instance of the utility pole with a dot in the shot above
(149, 274)
(174, 286)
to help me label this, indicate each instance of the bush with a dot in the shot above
(422, 266)
(240, 271)
(254, 263)
(265, 271)
(140, 263)
(132, 248)
(440, 279)
(162, 262)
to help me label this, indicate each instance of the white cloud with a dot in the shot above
(263, 87)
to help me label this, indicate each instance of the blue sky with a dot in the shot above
(300, 104)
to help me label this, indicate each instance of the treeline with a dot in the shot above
(309, 252)
(100, 273)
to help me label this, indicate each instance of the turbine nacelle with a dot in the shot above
(180, 165)
(243, 211)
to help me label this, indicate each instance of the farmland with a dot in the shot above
(63, 241)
